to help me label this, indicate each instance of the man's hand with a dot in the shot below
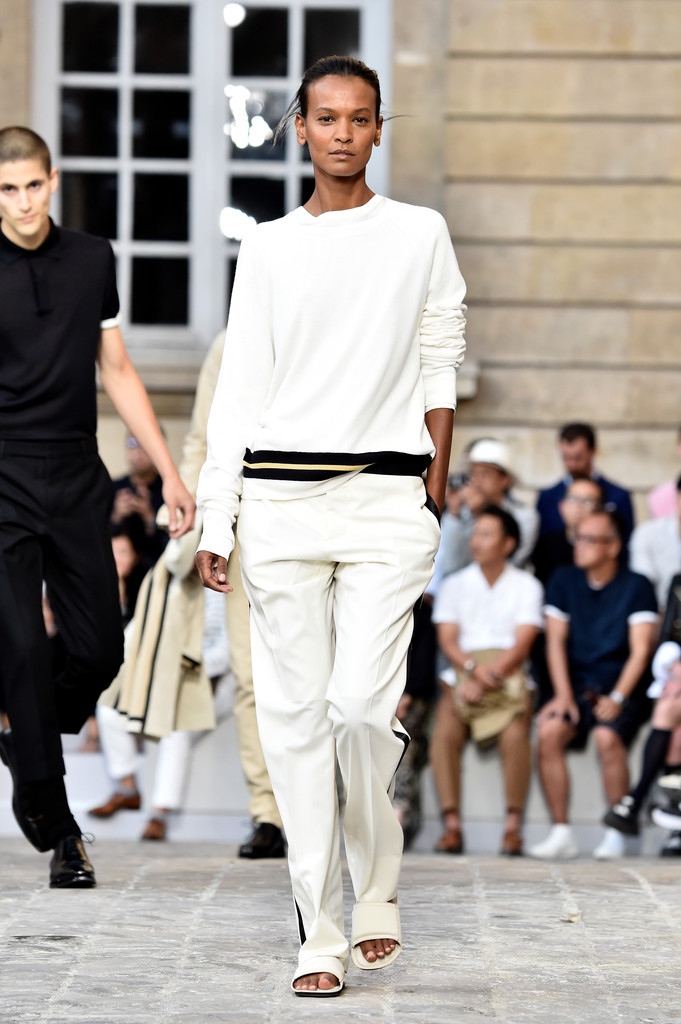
(212, 570)
(470, 692)
(178, 500)
(560, 707)
(606, 709)
(486, 677)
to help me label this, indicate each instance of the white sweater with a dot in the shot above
(344, 330)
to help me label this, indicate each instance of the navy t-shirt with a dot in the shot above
(53, 303)
(599, 620)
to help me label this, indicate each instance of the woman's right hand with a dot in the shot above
(212, 570)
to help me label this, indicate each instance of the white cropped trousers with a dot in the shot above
(332, 581)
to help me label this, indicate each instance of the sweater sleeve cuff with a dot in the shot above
(440, 389)
(217, 536)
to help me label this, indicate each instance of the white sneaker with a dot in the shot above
(560, 844)
(611, 846)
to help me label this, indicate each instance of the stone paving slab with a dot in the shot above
(189, 933)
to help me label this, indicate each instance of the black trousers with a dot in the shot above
(55, 501)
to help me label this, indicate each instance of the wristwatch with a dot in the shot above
(469, 665)
(618, 697)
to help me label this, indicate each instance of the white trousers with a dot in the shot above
(332, 581)
(174, 751)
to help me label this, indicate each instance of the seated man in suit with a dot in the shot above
(601, 622)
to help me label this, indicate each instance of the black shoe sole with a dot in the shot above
(78, 882)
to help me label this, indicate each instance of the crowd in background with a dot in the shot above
(565, 616)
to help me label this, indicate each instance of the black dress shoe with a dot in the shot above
(70, 867)
(266, 841)
(34, 828)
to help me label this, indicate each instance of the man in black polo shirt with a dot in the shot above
(58, 317)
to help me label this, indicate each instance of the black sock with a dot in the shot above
(672, 769)
(49, 803)
(654, 755)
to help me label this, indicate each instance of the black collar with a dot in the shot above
(51, 247)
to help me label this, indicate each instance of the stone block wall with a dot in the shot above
(15, 63)
(559, 172)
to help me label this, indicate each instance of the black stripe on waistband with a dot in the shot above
(277, 465)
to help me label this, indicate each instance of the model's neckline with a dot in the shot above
(354, 212)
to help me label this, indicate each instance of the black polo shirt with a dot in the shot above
(54, 301)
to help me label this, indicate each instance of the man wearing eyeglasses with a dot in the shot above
(601, 621)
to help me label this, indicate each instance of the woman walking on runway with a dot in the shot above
(336, 394)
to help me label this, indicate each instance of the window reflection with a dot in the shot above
(252, 116)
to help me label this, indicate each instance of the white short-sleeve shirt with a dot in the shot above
(488, 616)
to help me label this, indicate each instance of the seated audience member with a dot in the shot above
(127, 541)
(577, 446)
(138, 497)
(662, 500)
(174, 754)
(488, 616)
(557, 548)
(666, 689)
(655, 549)
(489, 483)
(601, 622)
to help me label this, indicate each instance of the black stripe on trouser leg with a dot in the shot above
(301, 926)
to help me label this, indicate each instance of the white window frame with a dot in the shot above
(208, 165)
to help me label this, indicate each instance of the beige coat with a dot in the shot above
(162, 685)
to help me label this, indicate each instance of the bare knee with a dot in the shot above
(553, 737)
(608, 743)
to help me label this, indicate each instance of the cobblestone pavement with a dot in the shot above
(187, 932)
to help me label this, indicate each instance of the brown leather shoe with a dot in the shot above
(117, 802)
(155, 830)
(451, 841)
(512, 845)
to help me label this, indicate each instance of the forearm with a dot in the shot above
(439, 423)
(556, 657)
(130, 399)
(631, 673)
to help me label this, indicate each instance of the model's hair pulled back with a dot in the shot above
(19, 143)
(344, 67)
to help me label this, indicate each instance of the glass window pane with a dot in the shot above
(328, 32)
(252, 116)
(161, 123)
(161, 208)
(261, 198)
(306, 189)
(162, 39)
(89, 122)
(90, 37)
(89, 202)
(260, 42)
(160, 290)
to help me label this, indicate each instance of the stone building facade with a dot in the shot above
(547, 133)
